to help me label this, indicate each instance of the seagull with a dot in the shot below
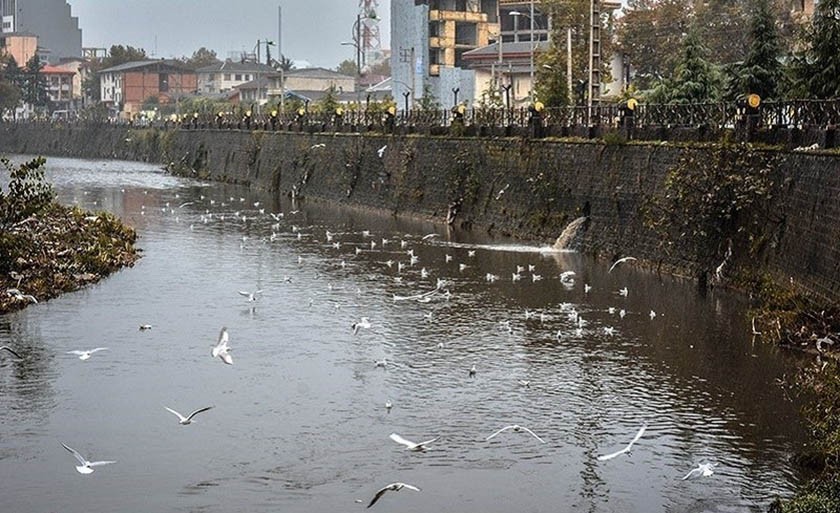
(9, 349)
(322, 145)
(703, 469)
(381, 151)
(380, 363)
(185, 421)
(623, 292)
(388, 406)
(430, 236)
(472, 371)
(221, 349)
(754, 331)
(586, 288)
(652, 314)
(412, 446)
(626, 449)
(517, 429)
(20, 296)
(86, 466)
(364, 322)
(471, 253)
(252, 296)
(392, 487)
(84, 355)
(144, 327)
(619, 261)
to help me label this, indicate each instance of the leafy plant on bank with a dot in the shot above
(28, 193)
(713, 199)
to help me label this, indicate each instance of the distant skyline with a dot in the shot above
(312, 29)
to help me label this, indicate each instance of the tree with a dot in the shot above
(284, 63)
(34, 90)
(118, 54)
(550, 87)
(329, 102)
(10, 79)
(762, 71)
(428, 101)
(575, 14)
(695, 80)
(347, 67)
(818, 66)
(200, 58)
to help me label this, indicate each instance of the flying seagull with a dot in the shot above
(392, 487)
(703, 469)
(185, 421)
(626, 449)
(85, 355)
(9, 349)
(381, 151)
(220, 350)
(620, 261)
(516, 429)
(413, 446)
(252, 296)
(86, 466)
(363, 323)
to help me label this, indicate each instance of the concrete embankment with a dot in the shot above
(520, 187)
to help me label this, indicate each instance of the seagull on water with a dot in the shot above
(472, 371)
(85, 467)
(703, 469)
(394, 487)
(620, 261)
(364, 322)
(221, 349)
(413, 446)
(185, 421)
(252, 296)
(12, 351)
(626, 449)
(85, 355)
(516, 428)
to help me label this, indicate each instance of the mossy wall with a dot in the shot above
(520, 187)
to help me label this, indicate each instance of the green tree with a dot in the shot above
(285, 63)
(34, 90)
(428, 101)
(575, 15)
(347, 67)
(200, 58)
(695, 79)
(761, 72)
(329, 102)
(551, 86)
(28, 192)
(818, 66)
(10, 92)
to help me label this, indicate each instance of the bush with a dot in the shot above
(29, 193)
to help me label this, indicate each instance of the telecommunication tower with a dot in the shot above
(371, 44)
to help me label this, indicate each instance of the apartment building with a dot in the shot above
(127, 86)
(59, 35)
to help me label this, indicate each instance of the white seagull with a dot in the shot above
(86, 466)
(252, 296)
(516, 428)
(221, 349)
(626, 449)
(413, 446)
(185, 421)
(619, 261)
(395, 487)
(84, 355)
(381, 151)
(703, 469)
(363, 323)
(12, 351)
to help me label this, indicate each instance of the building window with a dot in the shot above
(247, 77)
(227, 76)
(239, 77)
(163, 83)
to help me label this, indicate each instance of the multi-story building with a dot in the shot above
(428, 41)
(60, 87)
(21, 46)
(224, 76)
(127, 86)
(59, 35)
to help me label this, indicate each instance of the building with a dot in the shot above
(127, 86)
(21, 46)
(428, 41)
(59, 35)
(515, 21)
(318, 79)
(309, 84)
(509, 71)
(224, 76)
(60, 87)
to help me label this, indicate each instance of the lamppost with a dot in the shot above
(358, 68)
(268, 43)
(516, 15)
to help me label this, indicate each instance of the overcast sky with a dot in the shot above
(312, 29)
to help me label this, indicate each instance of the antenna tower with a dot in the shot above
(371, 45)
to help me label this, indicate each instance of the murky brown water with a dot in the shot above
(299, 422)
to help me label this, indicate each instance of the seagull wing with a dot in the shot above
(693, 472)
(499, 432)
(245, 294)
(99, 463)
(196, 412)
(532, 434)
(97, 349)
(223, 335)
(613, 455)
(379, 494)
(180, 417)
(9, 349)
(400, 440)
(637, 437)
(226, 357)
(81, 459)
(619, 261)
(411, 487)
(427, 442)
(76, 352)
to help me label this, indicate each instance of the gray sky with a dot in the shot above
(312, 29)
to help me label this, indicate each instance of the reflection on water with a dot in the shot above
(299, 422)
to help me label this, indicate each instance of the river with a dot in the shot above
(299, 422)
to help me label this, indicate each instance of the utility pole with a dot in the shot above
(594, 53)
(569, 65)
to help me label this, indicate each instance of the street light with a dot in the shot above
(516, 15)
(358, 68)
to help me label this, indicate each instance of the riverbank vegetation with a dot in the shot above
(48, 248)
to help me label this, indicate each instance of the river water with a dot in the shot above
(299, 421)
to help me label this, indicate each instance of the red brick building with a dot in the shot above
(127, 86)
